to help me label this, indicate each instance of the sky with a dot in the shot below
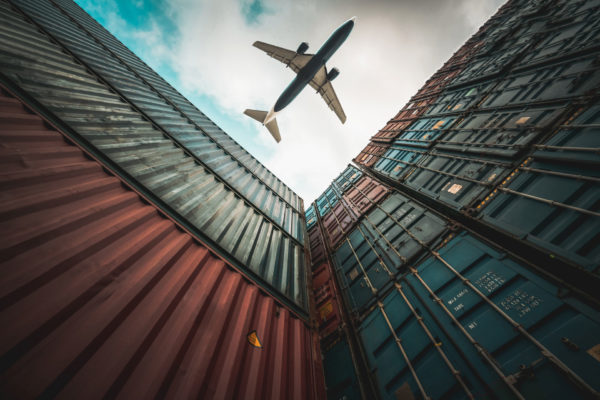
(204, 49)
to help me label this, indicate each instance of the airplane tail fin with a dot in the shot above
(257, 115)
(271, 126)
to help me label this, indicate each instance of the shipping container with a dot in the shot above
(226, 145)
(459, 100)
(364, 194)
(470, 322)
(257, 234)
(101, 295)
(503, 132)
(326, 201)
(398, 161)
(563, 81)
(425, 131)
(338, 223)
(405, 117)
(572, 27)
(340, 373)
(164, 113)
(311, 217)
(553, 198)
(506, 46)
(326, 301)
(391, 130)
(372, 255)
(317, 246)
(347, 178)
(370, 154)
(459, 181)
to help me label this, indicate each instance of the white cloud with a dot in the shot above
(394, 48)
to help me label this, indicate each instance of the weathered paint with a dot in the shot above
(551, 199)
(362, 195)
(102, 296)
(260, 233)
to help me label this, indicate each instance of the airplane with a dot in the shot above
(310, 70)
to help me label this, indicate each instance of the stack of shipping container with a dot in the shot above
(468, 265)
(144, 252)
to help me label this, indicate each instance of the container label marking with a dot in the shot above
(456, 298)
(595, 352)
(253, 340)
(490, 281)
(521, 302)
(455, 188)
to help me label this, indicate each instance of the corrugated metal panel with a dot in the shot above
(163, 113)
(472, 310)
(338, 223)
(326, 201)
(326, 301)
(317, 246)
(176, 99)
(100, 296)
(345, 180)
(563, 81)
(389, 237)
(370, 154)
(502, 132)
(553, 199)
(574, 28)
(311, 217)
(405, 117)
(398, 161)
(108, 122)
(424, 131)
(340, 374)
(365, 193)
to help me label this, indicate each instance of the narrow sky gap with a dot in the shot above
(204, 49)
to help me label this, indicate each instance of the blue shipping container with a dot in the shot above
(377, 250)
(340, 375)
(345, 180)
(507, 331)
(553, 201)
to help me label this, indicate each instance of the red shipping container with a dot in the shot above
(338, 222)
(102, 296)
(370, 154)
(317, 247)
(328, 312)
(364, 194)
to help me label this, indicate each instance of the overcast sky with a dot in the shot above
(204, 49)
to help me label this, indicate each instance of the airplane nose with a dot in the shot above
(353, 19)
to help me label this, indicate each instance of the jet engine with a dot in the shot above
(302, 48)
(331, 75)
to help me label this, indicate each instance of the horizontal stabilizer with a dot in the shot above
(260, 116)
(274, 129)
(256, 114)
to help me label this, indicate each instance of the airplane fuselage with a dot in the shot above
(306, 74)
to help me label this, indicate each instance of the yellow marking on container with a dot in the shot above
(325, 310)
(253, 340)
(455, 188)
(438, 124)
(522, 120)
(595, 352)
(456, 107)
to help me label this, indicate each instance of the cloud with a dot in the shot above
(394, 48)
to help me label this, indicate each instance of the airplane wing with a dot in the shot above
(290, 58)
(323, 86)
